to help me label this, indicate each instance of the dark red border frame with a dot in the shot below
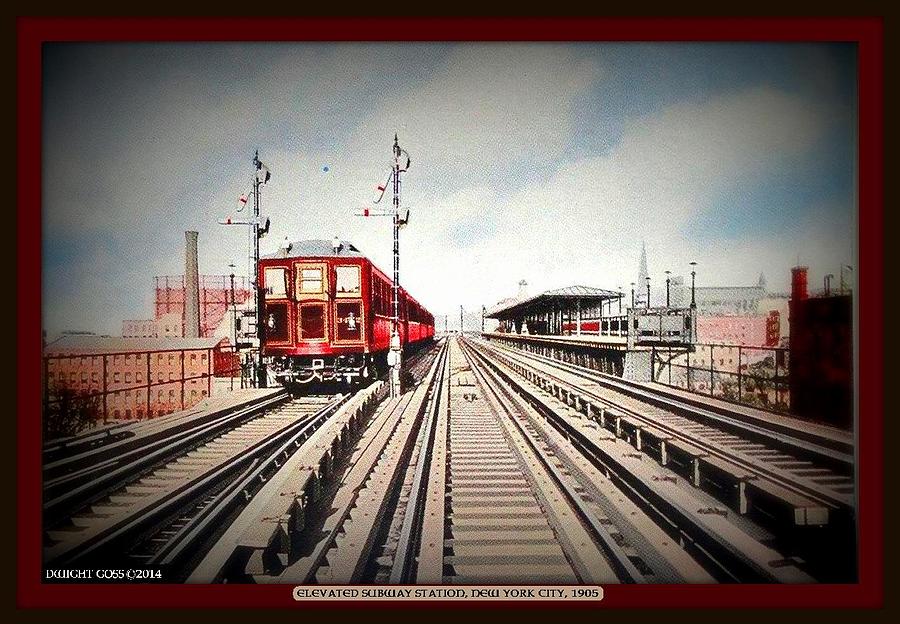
(867, 32)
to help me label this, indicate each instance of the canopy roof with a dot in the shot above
(552, 299)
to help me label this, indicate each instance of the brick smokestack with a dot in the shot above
(798, 283)
(191, 287)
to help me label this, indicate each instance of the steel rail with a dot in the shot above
(725, 556)
(103, 476)
(814, 493)
(833, 451)
(402, 570)
(620, 560)
(183, 495)
(241, 490)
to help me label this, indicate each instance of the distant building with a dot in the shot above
(169, 307)
(134, 378)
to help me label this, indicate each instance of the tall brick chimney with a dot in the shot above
(191, 287)
(798, 283)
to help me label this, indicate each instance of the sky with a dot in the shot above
(551, 163)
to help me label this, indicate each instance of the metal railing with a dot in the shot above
(98, 377)
(753, 376)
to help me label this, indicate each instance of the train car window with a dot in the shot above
(309, 281)
(348, 321)
(276, 320)
(276, 282)
(347, 282)
(312, 321)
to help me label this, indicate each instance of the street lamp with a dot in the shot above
(668, 281)
(693, 284)
(648, 292)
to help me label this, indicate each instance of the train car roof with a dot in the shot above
(318, 249)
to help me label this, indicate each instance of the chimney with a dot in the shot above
(191, 287)
(798, 283)
(523, 289)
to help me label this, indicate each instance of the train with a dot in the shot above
(326, 312)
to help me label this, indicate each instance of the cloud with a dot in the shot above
(145, 143)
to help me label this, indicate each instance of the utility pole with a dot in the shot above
(632, 294)
(483, 312)
(460, 320)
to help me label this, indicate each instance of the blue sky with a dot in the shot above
(544, 162)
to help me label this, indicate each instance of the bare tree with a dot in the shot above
(68, 412)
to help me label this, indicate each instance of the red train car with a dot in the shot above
(327, 314)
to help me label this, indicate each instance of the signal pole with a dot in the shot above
(257, 294)
(395, 355)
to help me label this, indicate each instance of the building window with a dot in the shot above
(117, 377)
(127, 377)
(84, 378)
(203, 357)
(347, 282)
(138, 377)
(193, 357)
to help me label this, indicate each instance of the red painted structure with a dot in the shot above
(327, 313)
(821, 371)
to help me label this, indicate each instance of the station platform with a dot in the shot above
(619, 343)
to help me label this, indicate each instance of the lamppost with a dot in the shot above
(632, 294)
(693, 284)
(668, 281)
(648, 292)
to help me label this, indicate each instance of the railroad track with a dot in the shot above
(154, 502)
(791, 487)
(462, 481)
(799, 465)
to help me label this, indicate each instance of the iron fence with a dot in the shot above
(753, 376)
(97, 381)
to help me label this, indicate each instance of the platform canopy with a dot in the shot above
(561, 298)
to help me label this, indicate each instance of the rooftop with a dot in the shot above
(317, 248)
(85, 345)
(520, 307)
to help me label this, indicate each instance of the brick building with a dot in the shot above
(169, 300)
(134, 378)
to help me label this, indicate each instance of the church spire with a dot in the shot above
(642, 270)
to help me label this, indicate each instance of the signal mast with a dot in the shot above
(395, 353)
